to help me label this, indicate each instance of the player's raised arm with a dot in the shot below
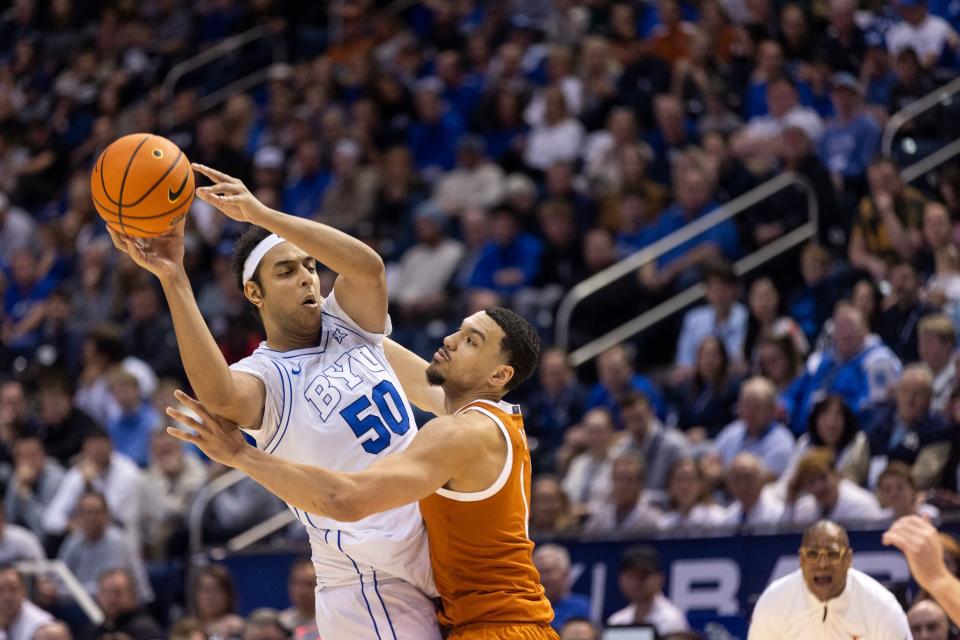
(443, 450)
(361, 285)
(235, 395)
(411, 370)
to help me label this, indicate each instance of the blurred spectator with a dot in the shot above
(553, 563)
(937, 245)
(929, 36)
(19, 617)
(556, 404)
(646, 437)
(907, 431)
(561, 263)
(852, 136)
(301, 586)
(766, 319)
(94, 546)
(723, 316)
(641, 583)
(349, 199)
(60, 334)
(810, 305)
(14, 410)
(18, 544)
(832, 426)
(671, 40)
(752, 506)
(100, 468)
(897, 494)
(236, 509)
(936, 342)
(777, 360)
(831, 496)
(215, 601)
(677, 268)
(550, 512)
(418, 284)
(433, 134)
(131, 430)
(36, 479)
(928, 621)
(117, 598)
(509, 261)
(757, 431)
(54, 631)
(857, 366)
(587, 481)
(898, 323)
(887, 227)
(60, 426)
(669, 138)
(188, 628)
(30, 279)
(690, 505)
(704, 404)
(843, 41)
(475, 182)
(627, 508)
(306, 181)
(558, 137)
(44, 168)
(149, 332)
(579, 629)
(762, 134)
(264, 624)
(169, 485)
(616, 377)
(212, 149)
(911, 82)
(17, 229)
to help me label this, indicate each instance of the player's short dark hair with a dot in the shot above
(246, 243)
(520, 343)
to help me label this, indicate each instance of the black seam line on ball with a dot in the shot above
(123, 182)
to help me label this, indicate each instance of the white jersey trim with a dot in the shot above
(492, 490)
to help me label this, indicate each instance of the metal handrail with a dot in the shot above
(930, 162)
(260, 531)
(222, 48)
(200, 503)
(914, 109)
(70, 583)
(633, 262)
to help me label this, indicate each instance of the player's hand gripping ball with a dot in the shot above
(142, 185)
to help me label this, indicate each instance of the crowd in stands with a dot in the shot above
(493, 152)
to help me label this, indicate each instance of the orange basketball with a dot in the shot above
(142, 185)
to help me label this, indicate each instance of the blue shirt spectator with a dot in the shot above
(26, 291)
(557, 404)
(616, 377)
(510, 260)
(722, 317)
(303, 193)
(757, 432)
(434, 134)
(130, 431)
(553, 563)
(858, 367)
(852, 138)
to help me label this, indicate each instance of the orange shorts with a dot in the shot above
(505, 632)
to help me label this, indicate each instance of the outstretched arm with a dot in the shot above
(361, 284)
(920, 543)
(232, 394)
(411, 370)
(441, 451)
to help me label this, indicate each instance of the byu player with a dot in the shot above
(318, 391)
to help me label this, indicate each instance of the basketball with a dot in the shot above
(142, 185)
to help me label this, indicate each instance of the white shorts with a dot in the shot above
(395, 610)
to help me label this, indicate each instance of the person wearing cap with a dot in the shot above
(475, 182)
(852, 136)
(641, 583)
(926, 34)
(827, 598)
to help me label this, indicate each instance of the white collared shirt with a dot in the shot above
(665, 616)
(30, 618)
(854, 505)
(768, 511)
(865, 610)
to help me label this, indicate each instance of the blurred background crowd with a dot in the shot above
(493, 153)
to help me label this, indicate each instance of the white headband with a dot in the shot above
(253, 260)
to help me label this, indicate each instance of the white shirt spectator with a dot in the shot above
(664, 616)
(550, 144)
(572, 90)
(701, 322)
(928, 38)
(801, 117)
(768, 511)
(17, 228)
(854, 505)
(482, 186)
(856, 446)
(18, 543)
(30, 618)
(588, 479)
(701, 516)
(787, 610)
(424, 270)
(603, 519)
(120, 485)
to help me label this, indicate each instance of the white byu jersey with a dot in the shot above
(340, 406)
